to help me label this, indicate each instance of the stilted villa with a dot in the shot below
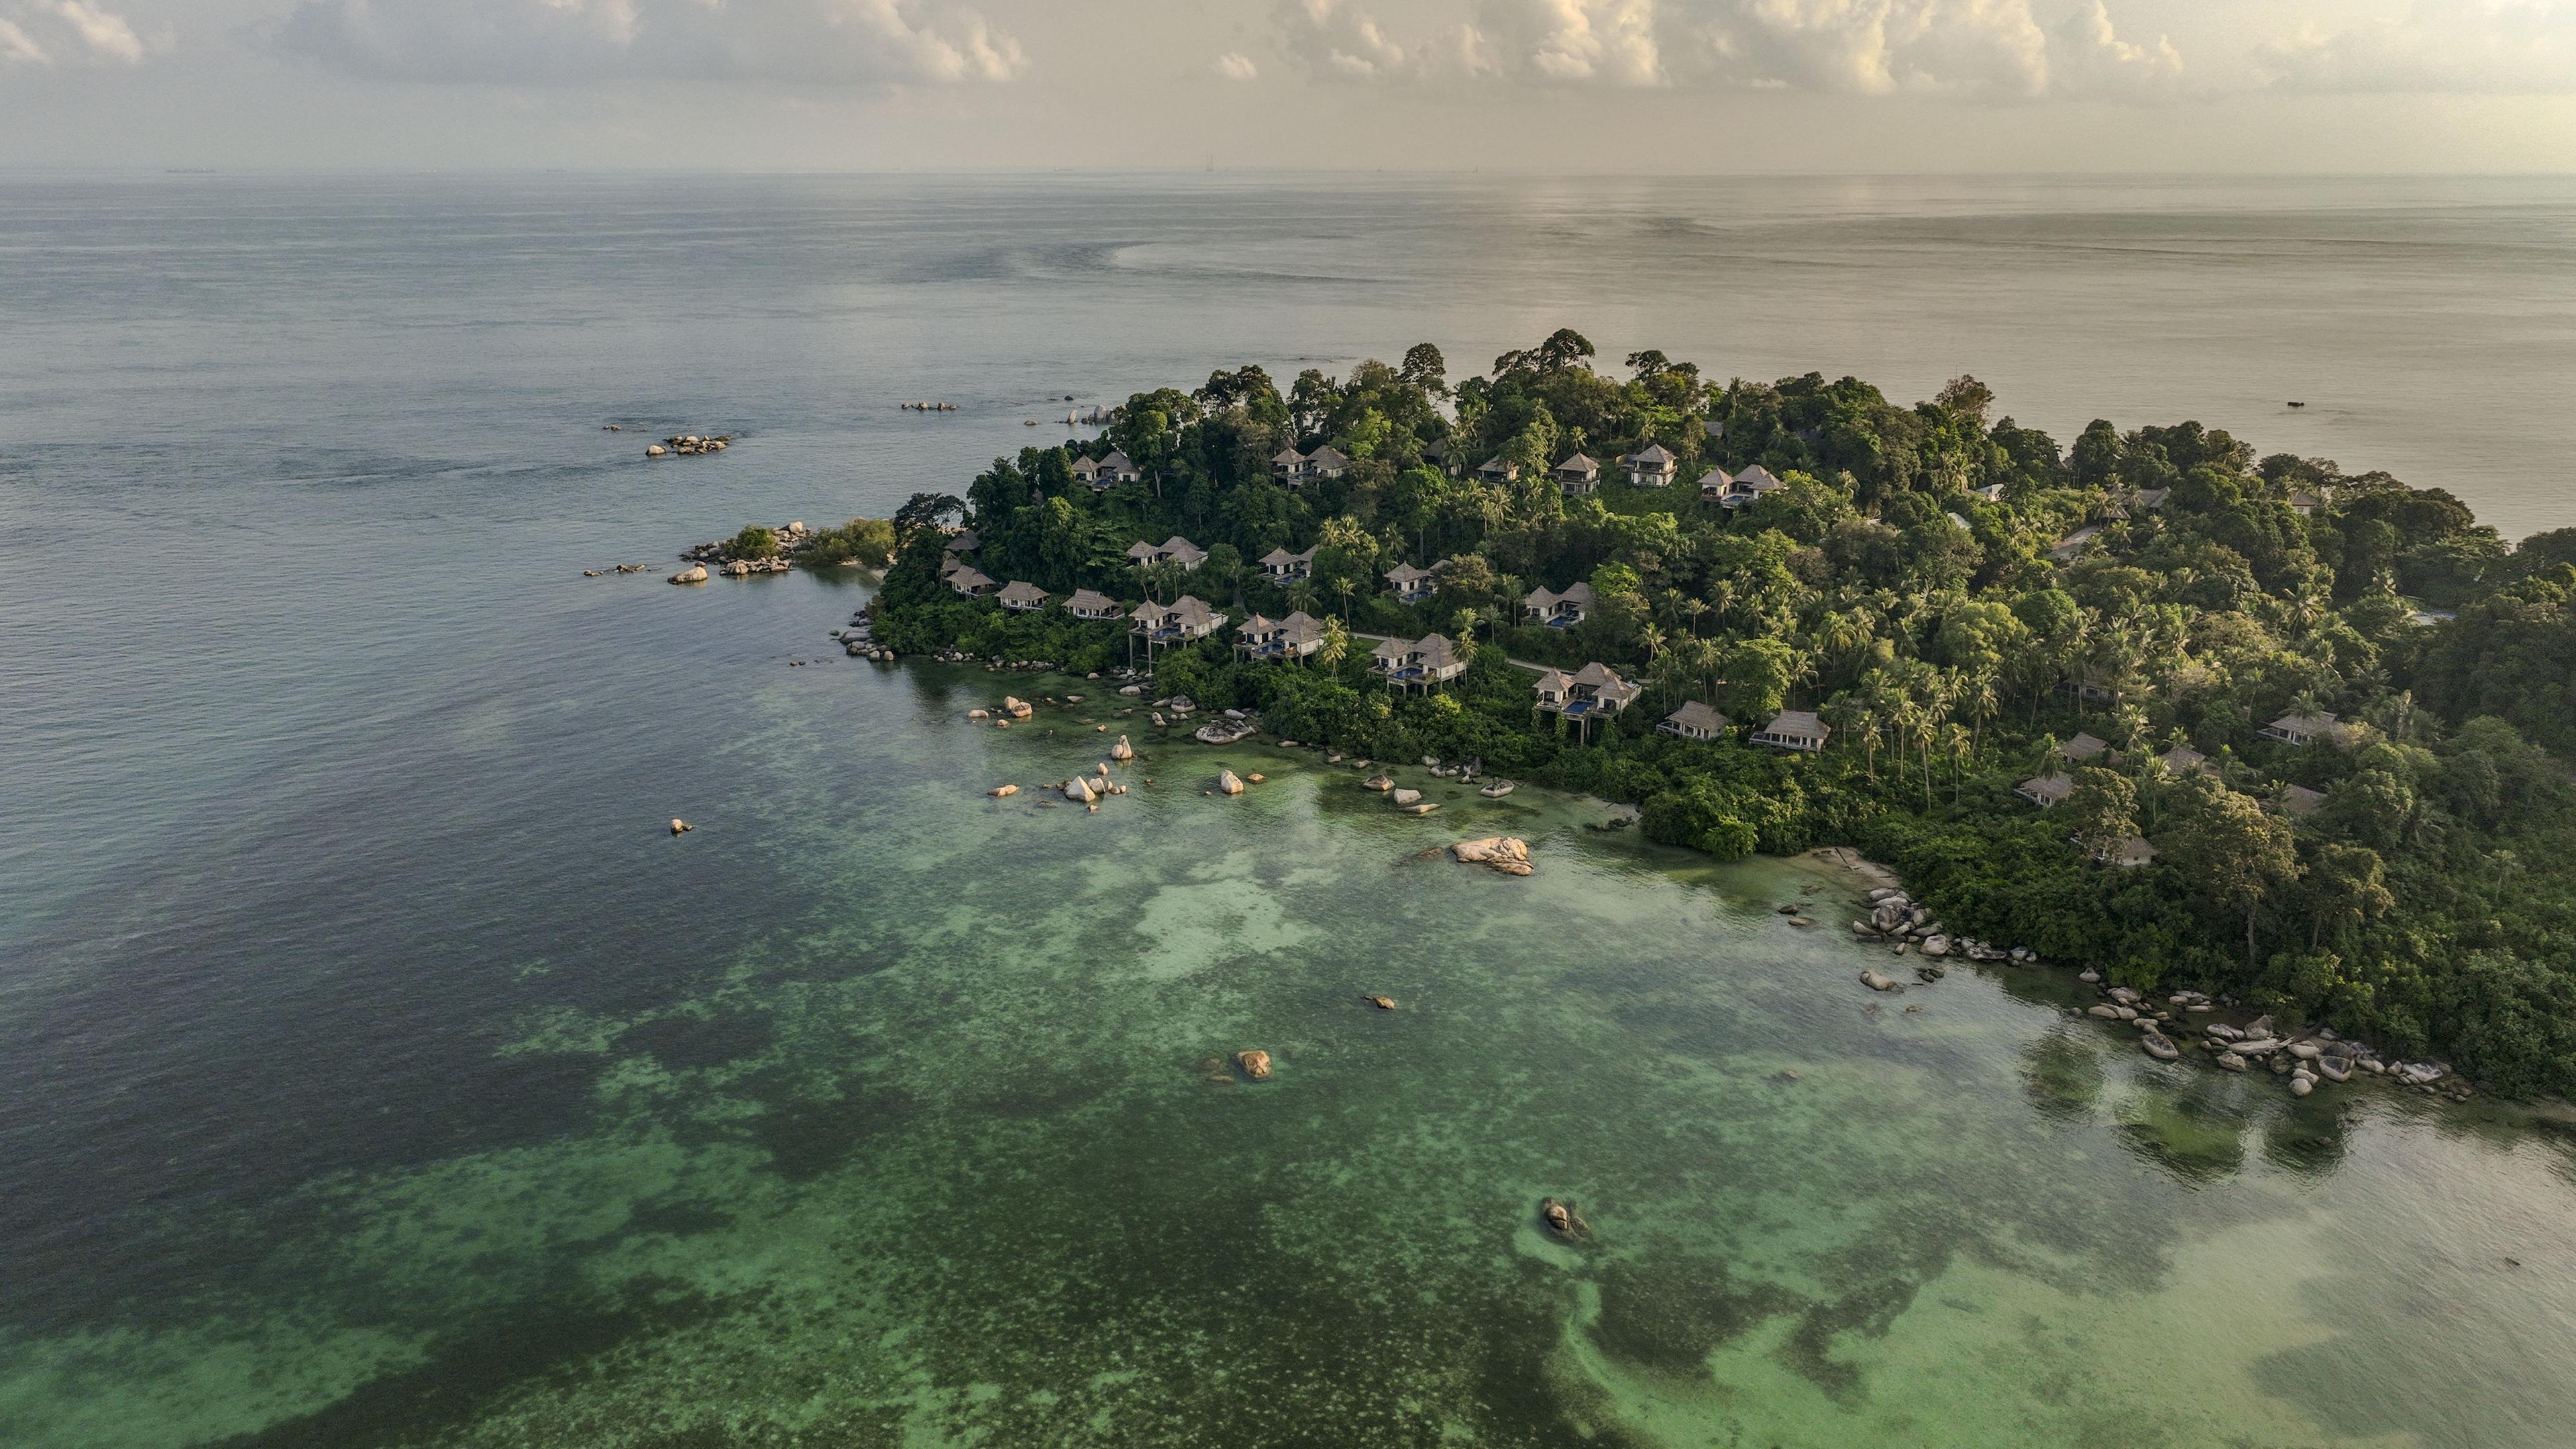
(1023, 598)
(1294, 637)
(1652, 466)
(1280, 566)
(1593, 692)
(1427, 662)
(1091, 604)
(1182, 621)
(1696, 721)
(1177, 551)
(1559, 611)
(1578, 474)
(1327, 462)
(1794, 729)
(1411, 585)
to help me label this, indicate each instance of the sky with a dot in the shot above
(1624, 86)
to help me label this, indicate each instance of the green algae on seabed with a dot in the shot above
(940, 1160)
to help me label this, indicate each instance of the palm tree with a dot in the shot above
(1336, 646)
(1960, 744)
(1653, 638)
(1466, 627)
(1692, 609)
(1346, 586)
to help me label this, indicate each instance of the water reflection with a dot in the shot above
(2062, 1076)
(2196, 1134)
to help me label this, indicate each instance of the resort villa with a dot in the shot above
(2045, 790)
(1794, 729)
(1182, 621)
(1177, 551)
(1105, 473)
(1429, 661)
(2297, 729)
(1593, 692)
(2297, 801)
(1022, 598)
(1496, 470)
(1280, 566)
(963, 541)
(1293, 469)
(2082, 747)
(1092, 604)
(970, 582)
(1294, 637)
(1652, 466)
(1578, 474)
(1558, 611)
(2183, 760)
(1695, 721)
(1741, 491)
(1411, 585)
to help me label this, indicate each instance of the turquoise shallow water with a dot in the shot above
(377, 1070)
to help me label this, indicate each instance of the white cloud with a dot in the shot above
(1236, 66)
(579, 41)
(37, 32)
(1996, 49)
(2493, 47)
(18, 47)
(104, 32)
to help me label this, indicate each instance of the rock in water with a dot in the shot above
(1017, 708)
(2231, 1061)
(1005, 792)
(1227, 783)
(1379, 783)
(2158, 1047)
(693, 574)
(1492, 850)
(1407, 797)
(1078, 791)
(2301, 1086)
(1382, 1003)
(2107, 1013)
(1255, 1064)
(1122, 750)
(1877, 981)
(679, 826)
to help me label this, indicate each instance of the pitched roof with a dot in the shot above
(2183, 759)
(1695, 715)
(1598, 675)
(1289, 456)
(970, 577)
(1328, 456)
(2304, 724)
(1181, 548)
(1149, 612)
(1405, 573)
(1280, 556)
(1300, 627)
(1116, 459)
(1579, 463)
(1438, 651)
(1756, 478)
(1090, 601)
(2300, 800)
(1799, 723)
(1391, 649)
(1653, 455)
(1579, 593)
(962, 541)
(1019, 592)
(1553, 680)
(1495, 464)
(2051, 788)
(1141, 550)
(1192, 613)
(2083, 747)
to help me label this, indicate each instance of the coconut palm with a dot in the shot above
(1336, 646)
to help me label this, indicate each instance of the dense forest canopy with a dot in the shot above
(1967, 602)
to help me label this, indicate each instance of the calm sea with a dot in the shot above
(374, 1069)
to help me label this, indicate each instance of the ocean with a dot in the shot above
(379, 1070)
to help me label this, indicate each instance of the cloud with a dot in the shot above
(536, 42)
(1236, 66)
(1991, 49)
(2463, 47)
(66, 27)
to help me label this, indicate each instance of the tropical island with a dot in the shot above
(2198, 720)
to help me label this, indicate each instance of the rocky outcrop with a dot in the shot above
(1878, 981)
(1228, 783)
(1406, 797)
(1016, 707)
(1005, 792)
(2157, 1045)
(680, 827)
(1079, 791)
(1379, 783)
(693, 574)
(1122, 750)
(1255, 1064)
(1504, 853)
(1382, 1003)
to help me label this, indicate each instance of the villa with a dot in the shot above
(1288, 466)
(1578, 474)
(1592, 691)
(1744, 489)
(1411, 585)
(1428, 661)
(1092, 604)
(2082, 747)
(2298, 801)
(1177, 551)
(1696, 721)
(963, 541)
(1559, 611)
(2074, 543)
(2129, 854)
(970, 581)
(1280, 566)
(1327, 462)
(1180, 622)
(2305, 503)
(1794, 729)
(2297, 729)
(1992, 492)
(2045, 790)
(1105, 473)
(1294, 637)
(1652, 466)
(1495, 470)
(2183, 760)
(1022, 598)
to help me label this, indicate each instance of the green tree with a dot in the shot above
(2233, 852)
(2102, 811)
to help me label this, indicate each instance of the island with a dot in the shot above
(2204, 724)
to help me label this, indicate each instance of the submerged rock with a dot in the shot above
(1255, 1064)
(680, 827)
(2155, 1045)
(1877, 981)
(1005, 792)
(1382, 1003)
